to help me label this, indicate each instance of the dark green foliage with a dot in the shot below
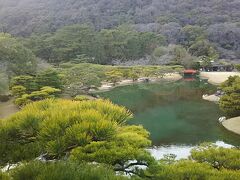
(83, 98)
(226, 35)
(47, 16)
(206, 62)
(167, 19)
(173, 55)
(69, 42)
(80, 43)
(181, 22)
(186, 169)
(207, 161)
(237, 66)
(114, 76)
(83, 58)
(50, 78)
(27, 82)
(190, 34)
(3, 83)
(38, 44)
(18, 59)
(63, 171)
(182, 57)
(217, 157)
(78, 75)
(230, 102)
(204, 48)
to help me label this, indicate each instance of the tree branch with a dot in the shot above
(136, 164)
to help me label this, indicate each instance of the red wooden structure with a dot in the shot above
(190, 72)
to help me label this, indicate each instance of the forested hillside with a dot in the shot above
(58, 58)
(216, 20)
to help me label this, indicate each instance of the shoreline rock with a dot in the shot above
(212, 98)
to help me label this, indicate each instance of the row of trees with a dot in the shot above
(80, 43)
(79, 78)
(90, 140)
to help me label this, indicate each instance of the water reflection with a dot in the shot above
(174, 113)
(181, 152)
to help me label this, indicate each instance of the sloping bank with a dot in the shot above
(232, 125)
(216, 78)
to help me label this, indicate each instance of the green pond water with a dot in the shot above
(174, 113)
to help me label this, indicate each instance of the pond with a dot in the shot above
(174, 113)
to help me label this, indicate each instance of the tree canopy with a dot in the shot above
(18, 59)
(26, 88)
(230, 102)
(86, 131)
(81, 43)
(63, 171)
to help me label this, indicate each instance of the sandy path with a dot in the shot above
(7, 108)
(217, 78)
(232, 125)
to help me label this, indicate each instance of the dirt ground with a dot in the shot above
(7, 108)
(217, 78)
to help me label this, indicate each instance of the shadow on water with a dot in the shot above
(174, 113)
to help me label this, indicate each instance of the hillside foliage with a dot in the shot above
(181, 22)
(14, 57)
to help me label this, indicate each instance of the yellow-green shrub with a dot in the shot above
(44, 93)
(91, 131)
